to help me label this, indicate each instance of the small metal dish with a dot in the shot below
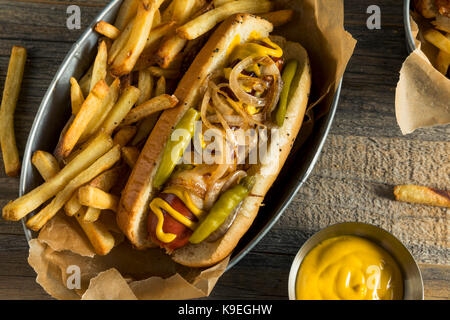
(410, 44)
(412, 278)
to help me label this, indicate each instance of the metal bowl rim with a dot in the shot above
(410, 43)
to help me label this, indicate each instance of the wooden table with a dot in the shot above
(365, 155)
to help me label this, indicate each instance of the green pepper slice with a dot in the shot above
(287, 76)
(223, 207)
(173, 151)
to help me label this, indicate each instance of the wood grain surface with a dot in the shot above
(364, 156)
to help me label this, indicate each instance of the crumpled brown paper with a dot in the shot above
(423, 93)
(126, 273)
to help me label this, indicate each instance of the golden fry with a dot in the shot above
(20, 207)
(105, 182)
(72, 206)
(87, 112)
(144, 110)
(100, 65)
(120, 42)
(9, 101)
(437, 39)
(96, 198)
(108, 30)
(103, 163)
(145, 84)
(99, 236)
(443, 62)
(218, 3)
(161, 87)
(101, 114)
(278, 18)
(126, 13)
(120, 110)
(205, 22)
(130, 155)
(124, 135)
(45, 163)
(166, 73)
(85, 81)
(158, 33)
(128, 56)
(76, 96)
(169, 50)
(145, 127)
(422, 195)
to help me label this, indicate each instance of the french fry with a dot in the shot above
(87, 112)
(20, 207)
(437, 39)
(158, 33)
(443, 62)
(161, 86)
(76, 95)
(422, 195)
(99, 236)
(120, 42)
(103, 163)
(120, 110)
(105, 181)
(130, 155)
(169, 49)
(100, 65)
(166, 73)
(96, 198)
(124, 135)
(85, 81)
(167, 14)
(145, 84)
(108, 30)
(205, 22)
(45, 163)
(72, 206)
(145, 127)
(108, 179)
(182, 10)
(218, 3)
(278, 18)
(101, 114)
(126, 13)
(144, 110)
(128, 56)
(156, 19)
(9, 101)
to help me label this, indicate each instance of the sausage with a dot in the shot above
(171, 225)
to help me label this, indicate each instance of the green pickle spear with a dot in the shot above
(223, 207)
(287, 76)
(173, 151)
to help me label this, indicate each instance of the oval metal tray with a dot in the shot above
(410, 44)
(51, 117)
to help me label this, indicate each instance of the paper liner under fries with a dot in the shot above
(126, 273)
(423, 93)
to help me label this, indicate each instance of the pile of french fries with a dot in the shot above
(442, 42)
(116, 104)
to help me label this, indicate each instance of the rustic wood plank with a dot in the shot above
(363, 158)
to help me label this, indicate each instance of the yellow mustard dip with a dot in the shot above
(348, 268)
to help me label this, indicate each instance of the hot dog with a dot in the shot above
(243, 80)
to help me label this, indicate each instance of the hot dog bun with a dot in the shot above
(133, 207)
(209, 253)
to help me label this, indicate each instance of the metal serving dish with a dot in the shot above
(410, 44)
(52, 116)
(412, 278)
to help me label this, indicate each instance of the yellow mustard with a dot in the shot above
(348, 268)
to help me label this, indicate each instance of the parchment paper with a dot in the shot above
(126, 273)
(423, 93)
